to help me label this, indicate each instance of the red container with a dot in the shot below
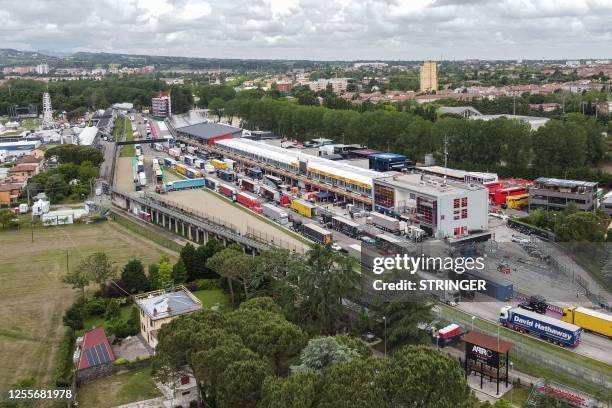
(247, 199)
(227, 190)
(449, 331)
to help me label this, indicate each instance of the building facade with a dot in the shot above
(445, 209)
(161, 106)
(429, 77)
(556, 194)
(162, 306)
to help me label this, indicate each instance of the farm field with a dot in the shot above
(34, 298)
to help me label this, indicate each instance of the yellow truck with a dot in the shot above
(181, 169)
(517, 201)
(220, 164)
(303, 207)
(590, 320)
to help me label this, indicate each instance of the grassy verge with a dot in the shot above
(536, 368)
(212, 297)
(118, 129)
(517, 395)
(122, 388)
(146, 232)
(122, 126)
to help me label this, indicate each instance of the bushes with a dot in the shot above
(73, 317)
(95, 307)
(63, 369)
(206, 284)
(124, 328)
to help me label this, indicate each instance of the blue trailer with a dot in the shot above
(495, 288)
(169, 162)
(227, 175)
(185, 184)
(254, 173)
(547, 328)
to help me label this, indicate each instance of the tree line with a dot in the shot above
(571, 146)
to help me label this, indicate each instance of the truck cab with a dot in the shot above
(504, 314)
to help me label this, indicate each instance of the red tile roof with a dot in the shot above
(94, 338)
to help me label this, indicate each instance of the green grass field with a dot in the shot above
(212, 297)
(120, 127)
(131, 386)
(34, 298)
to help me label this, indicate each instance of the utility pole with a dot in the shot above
(514, 104)
(445, 157)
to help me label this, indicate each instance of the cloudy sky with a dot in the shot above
(314, 29)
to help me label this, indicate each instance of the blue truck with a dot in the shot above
(496, 288)
(547, 328)
(211, 184)
(185, 184)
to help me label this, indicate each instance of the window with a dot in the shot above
(464, 213)
(464, 202)
(456, 203)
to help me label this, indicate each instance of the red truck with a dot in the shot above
(248, 200)
(229, 192)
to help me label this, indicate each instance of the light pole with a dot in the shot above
(473, 318)
(385, 334)
(437, 342)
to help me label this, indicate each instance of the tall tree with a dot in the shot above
(322, 352)
(165, 271)
(179, 272)
(134, 278)
(241, 382)
(299, 390)
(101, 268)
(408, 380)
(188, 255)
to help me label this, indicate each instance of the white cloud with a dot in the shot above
(316, 29)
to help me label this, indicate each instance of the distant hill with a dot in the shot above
(15, 57)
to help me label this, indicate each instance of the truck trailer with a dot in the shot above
(317, 234)
(495, 288)
(142, 179)
(248, 200)
(304, 207)
(590, 320)
(178, 185)
(228, 191)
(276, 214)
(346, 226)
(385, 222)
(547, 328)
(219, 164)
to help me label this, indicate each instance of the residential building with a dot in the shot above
(429, 77)
(25, 169)
(606, 204)
(284, 86)
(95, 350)
(42, 69)
(161, 105)
(162, 306)
(443, 208)
(338, 85)
(557, 194)
(9, 192)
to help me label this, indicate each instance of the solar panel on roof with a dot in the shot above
(92, 357)
(103, 353)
